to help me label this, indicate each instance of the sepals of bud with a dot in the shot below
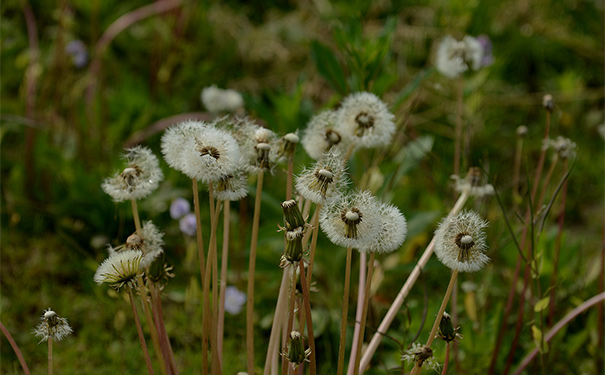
(292, 216)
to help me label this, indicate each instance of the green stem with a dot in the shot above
(140, 332)
(345, 313)
(251, 270)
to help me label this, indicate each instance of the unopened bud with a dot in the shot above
(292, 216)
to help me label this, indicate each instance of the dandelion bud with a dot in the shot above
(157, 270)
(296, 349)
(292, 216)
(294, 247)
(548, 102)
(447, 332)
(522, 131)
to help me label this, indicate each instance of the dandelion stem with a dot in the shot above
(276, 327)
(364, 314)
(446, 299)
(290, 314)
(289, 176)
(15, 348)
(216, 362)
(159, 319)
(224, 260)
(50, 356)
(140, 332)
(345, 311)
(307, 303)
(198, 223)
(517, 172)
(447, 358)
(458, 134)
(137, 220)
(315, 224)
(405, 289)
(359, 311)
(251, 270)
(151, 324)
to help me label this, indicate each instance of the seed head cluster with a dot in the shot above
(455, 57)
(52, 327)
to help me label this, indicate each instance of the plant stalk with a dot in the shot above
(307, 303)
(140, 332)
(359, 311)
(345, 313)
(224, 261)
(15, 349)
(364, 314)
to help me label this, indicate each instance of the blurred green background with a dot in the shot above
(68, 110)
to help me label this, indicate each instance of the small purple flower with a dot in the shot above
(187, 224)
(234, 300)
(179, 208)
(486, 44)
(79, 53)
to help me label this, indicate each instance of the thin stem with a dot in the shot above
(447, 358)
(164, 340)
(307, 303)
(458, 133)
(315, 224)
(198, 224)
(405, 289)
(276, 327)
(140, 332)
(557, 327)
(364, 313)
(289, 176)
(50, 356)
(15, 348)
(349, 152)
(137, 220)
(517, 172)
(284, 364)
(359, 311)
(224, 260)
(151, 325)
(251, 270)
(446, 298)
(216, 362)
(345, 311)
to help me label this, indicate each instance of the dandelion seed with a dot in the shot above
(351, 220)
(220, 100)
(231, 187)
(179, 208)
(366, 119)
(120, 270)
(141, 176)
(234, 300)
(52, 327)
(460, 242)
(321, 135)
(324, 179)
(456, 57)
(392, 230)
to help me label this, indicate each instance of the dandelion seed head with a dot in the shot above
(421, 355)
(321, 135)
(472, 184)
(322, 182)
(392, 230)
(221, 100)
(456, 57)
(140, 177)
(52, 327)
(260, 149)
(120, 269)
(366, 120)
(232, 187)
(460, 242)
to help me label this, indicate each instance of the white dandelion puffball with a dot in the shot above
(456, 57)
(320, 182)
(152, 244)
(140, 177)
(52, 327)
(175, 138)
(460, 242)
(120, 269)
(232, 187)
(221, 100)
(351, 220)
(258, 145)
(321, 135)
(391, 232)
(366, 120)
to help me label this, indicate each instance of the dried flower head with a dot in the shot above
(351, 220)
(564, 147)
(366, 120)
(232, 187)
(421, 355)
(287, 144)
(456, 57)
(140, 177)
(52, 327)
(472, 183)
(392, 230)
(323, 181)
(259, 146)
(460, 242)
(120, 269)
(321, 135)
(221, 100)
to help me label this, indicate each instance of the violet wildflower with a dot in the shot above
(78, 52)
(179, 208)
(187, 225)
(234, 300)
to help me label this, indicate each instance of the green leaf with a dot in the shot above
(328, 66)
(542, 304)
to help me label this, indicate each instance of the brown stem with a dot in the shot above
(358, 311)
(364, 314)
(289, 176)
(137, 220)
(15, 348)
(315, 224)
(251, 270)
(161, 327)
(276, 327)
(151, 325)
(307, 303)
(345, 314)
(557, 327)
(285, 362)
(198, 224)
(140, 332)
(224, 261)
(447, 358)
(517, 172)
(50, 356)
(458, 133)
